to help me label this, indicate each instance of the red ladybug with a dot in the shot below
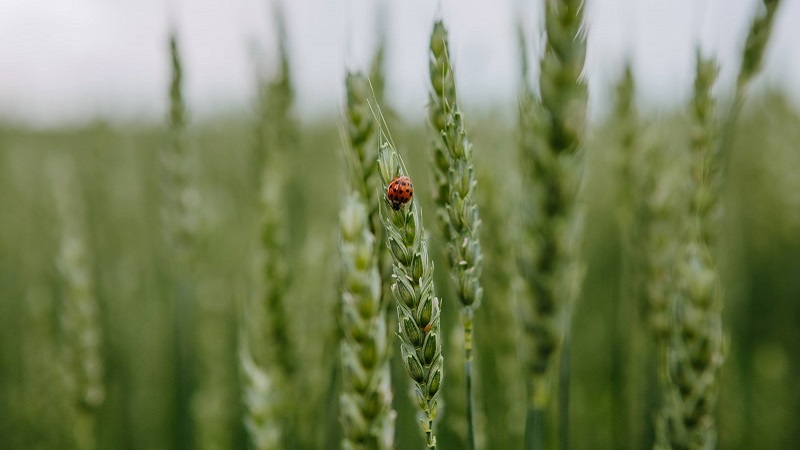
(400, 192)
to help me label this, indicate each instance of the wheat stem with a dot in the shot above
(695, 350)
(455, 199)
(267, 348)
(80, 311)
(179, 231)
(552, 158)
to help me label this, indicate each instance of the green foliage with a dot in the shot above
(117, 168)
(551, 150)
(187, 348)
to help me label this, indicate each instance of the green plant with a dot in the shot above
(259, 398)
(551, 144)
(457, 211)
(695, 348)
(365, 402)
(754, 49)
(626, 325)
(266, 345)
(418, 308)
(79, 313)
(362, 146)
(697, 342)
(179, 228)
(366, 411)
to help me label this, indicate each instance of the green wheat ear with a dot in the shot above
(454, 176)
(696, 349)
(366, 399)
(418, 309)
(178, 210)
(80, 312)
(551, 147)
(695, 346)
(268, 357)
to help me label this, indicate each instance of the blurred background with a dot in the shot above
(84, 101)
(69, 63)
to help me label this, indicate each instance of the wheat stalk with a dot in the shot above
(457, 211)
(265, 359)
(625, 323)
(366, 410)
(260, 394)
(752, 60)
(365, 402)
(418, 308)
(362, 143)
(79, 314)
(179, 196)
(695, 350)
(179, 226)
(755, 48)
(552, 160)
(267, 350)
(501, 366)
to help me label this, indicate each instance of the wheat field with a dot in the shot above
(227, 282)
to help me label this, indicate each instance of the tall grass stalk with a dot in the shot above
(265, 358)
(79, 313)
(45, 397)
(212, 399)
(278, 126)
(267, 349)
(752, 60)
(366, 412)
(418, 309)
(361, 150)
(179, 199)
(695, 350)
(366, 399)
(624, 323)
(260, 393)
(552, 161)
(455, 199)
(362, 144)
(500, 368)
(754, 50)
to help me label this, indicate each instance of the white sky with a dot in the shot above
(68, 61)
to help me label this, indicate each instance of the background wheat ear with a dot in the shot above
(697, 346)
(178, 208)
(268, 347)
(366, 399)
(80, 312)
(366, 412)
(454, 175)
(552, 144)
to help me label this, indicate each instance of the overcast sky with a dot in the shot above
(68, 61)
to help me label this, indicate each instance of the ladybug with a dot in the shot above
(400, 192)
